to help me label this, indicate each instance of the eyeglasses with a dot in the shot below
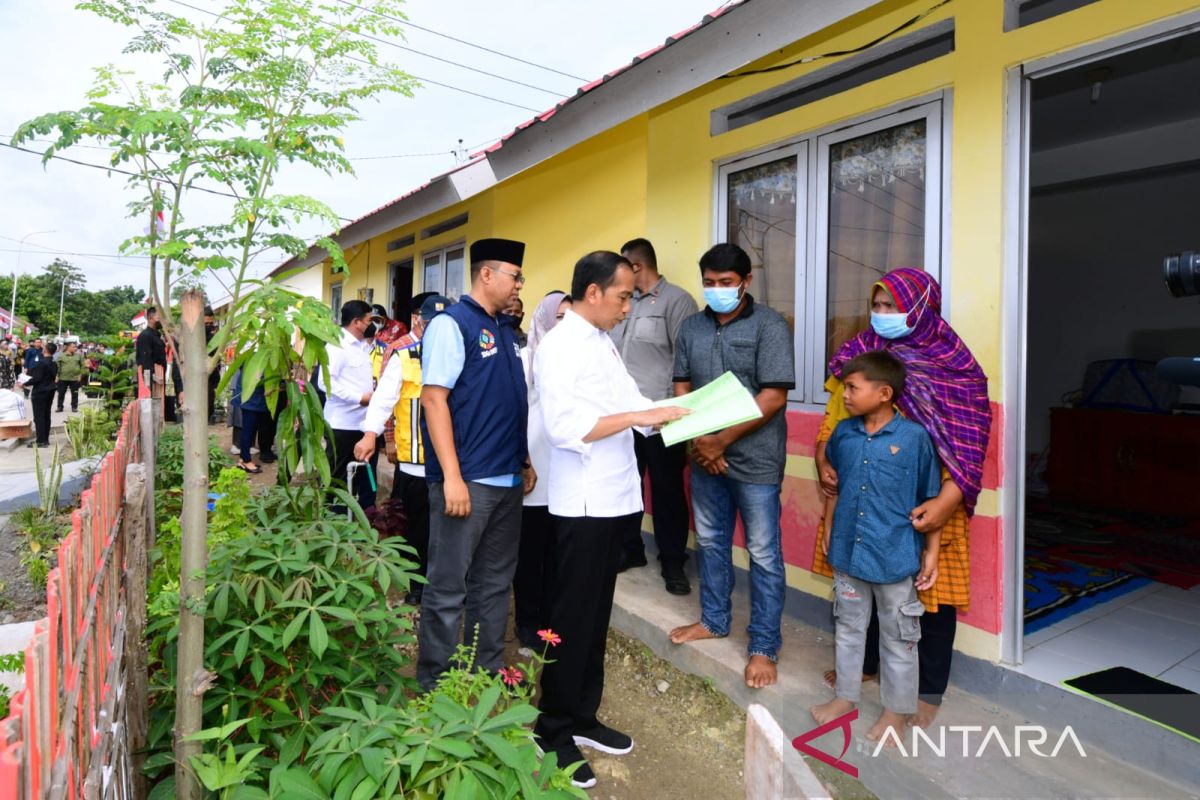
(516, 276)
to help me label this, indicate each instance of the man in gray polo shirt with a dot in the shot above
(738, 471)
(646, 341)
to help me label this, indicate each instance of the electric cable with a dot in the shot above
(837, 53)
(462, 41)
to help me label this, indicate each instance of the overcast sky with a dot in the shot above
(49, 50)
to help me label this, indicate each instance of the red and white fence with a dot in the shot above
(65, 737)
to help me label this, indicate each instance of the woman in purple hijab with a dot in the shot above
(946, 393)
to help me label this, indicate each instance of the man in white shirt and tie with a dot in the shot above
(351, 384)
(590, 404)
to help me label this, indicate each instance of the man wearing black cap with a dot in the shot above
(398, 396)
(475, 412)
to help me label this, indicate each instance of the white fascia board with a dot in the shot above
(738, 37)
(473, 179)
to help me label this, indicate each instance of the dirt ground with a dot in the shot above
(19, 600)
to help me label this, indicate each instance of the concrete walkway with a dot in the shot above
(644, 610)
(18, 476)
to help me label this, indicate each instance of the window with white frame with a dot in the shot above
(335, 302)
(824, 217)
(444, 271)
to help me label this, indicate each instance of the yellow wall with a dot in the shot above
(592, 197)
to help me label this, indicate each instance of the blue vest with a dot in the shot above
(488, 405)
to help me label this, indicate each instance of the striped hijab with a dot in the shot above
(946, 390)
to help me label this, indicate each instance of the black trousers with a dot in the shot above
(934, 652)
(268, 426)
(62, 394)
(42, 402)
(340, 450)
(413, 492)
(252, 422)
(214, 379)
(587, 553)
(670, 506)
(531, 587)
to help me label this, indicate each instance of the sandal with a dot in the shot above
(256, 470)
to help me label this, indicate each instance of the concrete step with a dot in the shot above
(643, 609)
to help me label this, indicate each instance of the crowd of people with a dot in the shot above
(520, 459)
(43, 370)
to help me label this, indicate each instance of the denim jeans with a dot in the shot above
(716, 502)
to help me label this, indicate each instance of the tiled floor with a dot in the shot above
(1155, 630)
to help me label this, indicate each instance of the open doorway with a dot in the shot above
(401, 290)
(1112, 508)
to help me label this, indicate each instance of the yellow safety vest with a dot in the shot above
(409, 447)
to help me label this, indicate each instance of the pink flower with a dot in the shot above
(550, 637)
(511, 675)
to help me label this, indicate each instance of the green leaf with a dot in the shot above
(295, 784)
(292, 630)
(504, 750)
(487, 701)
(164, 790)
(454, 747)
(318, 637)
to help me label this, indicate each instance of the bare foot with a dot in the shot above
(828, 712)
(926, 714)
(760, 672)
(830, 678)
(888, 719)
(690, 633)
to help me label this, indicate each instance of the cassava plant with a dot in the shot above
(248, 88)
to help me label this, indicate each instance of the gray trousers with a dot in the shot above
(471, 564)
(899, 631)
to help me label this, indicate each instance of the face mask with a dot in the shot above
(894, 326)
(369, 333)
(722, 299)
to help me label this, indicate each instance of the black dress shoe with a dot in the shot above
(268, 457)
(675, 579)
(632, 560)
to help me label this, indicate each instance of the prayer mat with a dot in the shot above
(1159, 547)
(1057, 588)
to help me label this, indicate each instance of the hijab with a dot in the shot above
(946, 390)
(545, 317)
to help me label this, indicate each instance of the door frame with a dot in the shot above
(1018, 81)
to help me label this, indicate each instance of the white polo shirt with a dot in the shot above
(581, 378)
(351, 375)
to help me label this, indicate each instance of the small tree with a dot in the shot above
(246, 90)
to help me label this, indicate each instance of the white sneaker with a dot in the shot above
(235, 451)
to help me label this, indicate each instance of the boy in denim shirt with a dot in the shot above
(887, 467)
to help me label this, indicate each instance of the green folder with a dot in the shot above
(721, 404)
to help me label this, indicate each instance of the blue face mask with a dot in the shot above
(891, 326)
(722, 299)
(894, 326)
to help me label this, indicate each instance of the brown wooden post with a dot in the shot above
(192, 679)
(136, 698)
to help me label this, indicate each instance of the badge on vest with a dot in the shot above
(487, 343)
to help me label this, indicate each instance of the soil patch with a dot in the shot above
(20, 601)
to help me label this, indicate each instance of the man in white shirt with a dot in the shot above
(589, 405)
(351, 384)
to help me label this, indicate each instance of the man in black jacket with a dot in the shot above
(151, 350)
(42, 384)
